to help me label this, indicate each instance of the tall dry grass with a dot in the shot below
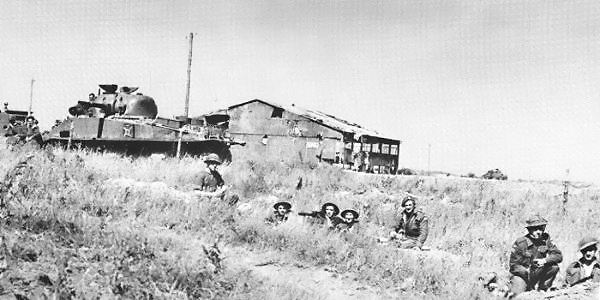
(153, 239)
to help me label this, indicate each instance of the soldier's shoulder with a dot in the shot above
(203, 172)
(420, 214)
(521, 241)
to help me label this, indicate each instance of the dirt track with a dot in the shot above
(324, 283)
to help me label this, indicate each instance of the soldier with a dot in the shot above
(534, 258)
(209, 181)
(281, 213)
(413, 227)
(32, 131)
(327, 216)
(587, 267)
(349, 221)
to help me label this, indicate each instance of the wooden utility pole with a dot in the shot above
(31, 97)
(429, 160)
(189, 73)
(565, 193)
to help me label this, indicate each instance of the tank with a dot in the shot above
(121, 120)
(19, 126)
(17, 117)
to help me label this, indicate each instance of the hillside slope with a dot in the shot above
(82, 224)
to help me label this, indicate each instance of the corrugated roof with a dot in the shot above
(323, 118)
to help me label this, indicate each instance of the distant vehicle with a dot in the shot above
(19, 126)
(7, 115)
(494, 174)
(121, 120)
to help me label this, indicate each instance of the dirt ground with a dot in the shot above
(325, 283)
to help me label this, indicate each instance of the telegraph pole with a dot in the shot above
(189, 73)
(429, 160)
(565, 194)
(31, 97)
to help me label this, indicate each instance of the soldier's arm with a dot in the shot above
(554, 254)
(572, 275)
(199, 183)
(399, 226)
(516, 267)
(424, 232)
(269, 220)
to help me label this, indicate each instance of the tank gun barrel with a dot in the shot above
(82, 108)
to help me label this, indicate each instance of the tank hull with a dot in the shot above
(135, 137)
(149, 147)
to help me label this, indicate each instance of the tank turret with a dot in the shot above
(109, 102)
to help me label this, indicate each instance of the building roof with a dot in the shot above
(323, 119)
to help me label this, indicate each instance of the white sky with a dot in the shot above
(513, 85)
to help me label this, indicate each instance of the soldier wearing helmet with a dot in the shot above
(412, 229)
(587, 267)
(327, 216)
(209, 180)
(280, 214)
(349, 221)
(534, 258)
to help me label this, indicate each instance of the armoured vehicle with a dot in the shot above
(121, 120)
(494, 174)
(7, 115)
(19, 126)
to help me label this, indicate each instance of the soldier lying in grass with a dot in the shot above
(413, 226)
(327, 216)
(587, 268)
(281, 213)
(349, 221)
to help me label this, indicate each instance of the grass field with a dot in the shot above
(88, 225)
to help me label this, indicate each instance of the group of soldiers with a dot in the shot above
(410, 232)
(22, 133)
(534, 260)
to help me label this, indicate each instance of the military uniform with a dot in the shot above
(321, 218)
(525, 274)
(575, 274)
(276, 218)
(583, 270)
(347, 226)
(414, 227)
(209, 181)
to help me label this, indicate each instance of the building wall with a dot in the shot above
(289, 135)
(255, 117)
(292, 136)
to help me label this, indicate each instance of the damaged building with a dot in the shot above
(277, 131)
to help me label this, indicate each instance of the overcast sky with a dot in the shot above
(513, 85)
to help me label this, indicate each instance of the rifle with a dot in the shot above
(313, 214)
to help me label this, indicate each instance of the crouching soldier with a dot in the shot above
(327, 216)
(587, 267)
(413, 227)
(349, 221)
(209, 182)
(534, 258)
(280, 215)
